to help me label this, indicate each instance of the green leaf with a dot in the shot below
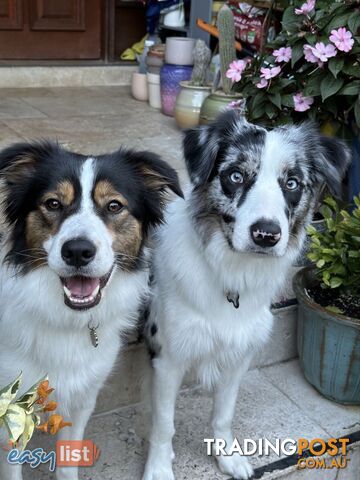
(290, 21)
(287, 100)
(276, 99)
(270, 111)
(15, 422)
(335, 282)
(258, 111)
(320, 263)
(352, 88)
(352, 69)
(354, 22)
(337, 21)
(8, 394)
(336, 65)
(329, 86)
(297, 53)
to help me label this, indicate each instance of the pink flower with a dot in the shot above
(236, 104)
(302, 103)
(236, 69)
(324, 52)
(262, 84)
(305, 8)
(342, 39)
(269, 73)
(310, 57)
(283, 54)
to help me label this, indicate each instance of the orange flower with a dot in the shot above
(50, 406)
(56, 423)
(43, 427)
(43, 391)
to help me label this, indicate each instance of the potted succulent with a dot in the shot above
(194, 92)
(329, 306)
(221, 98)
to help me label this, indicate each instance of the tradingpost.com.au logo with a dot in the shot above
(68, 453)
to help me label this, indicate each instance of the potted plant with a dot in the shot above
(329, 306)
(194, 92)
(221, 98)
(21, 415)
(311, 70)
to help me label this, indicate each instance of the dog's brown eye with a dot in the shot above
(114, 206)
(236, 177)
(53, 204)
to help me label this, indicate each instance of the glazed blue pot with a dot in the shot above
(328, 345)
(170, 78)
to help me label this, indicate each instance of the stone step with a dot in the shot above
(64, 76)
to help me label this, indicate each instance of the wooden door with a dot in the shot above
(50, 29)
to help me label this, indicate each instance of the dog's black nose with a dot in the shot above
(78, 252)
(265, 233)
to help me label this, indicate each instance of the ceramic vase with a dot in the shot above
(214, 104)
(139, 86)
(170, 78)
(188, 104)
(179, 50)
(154, 90)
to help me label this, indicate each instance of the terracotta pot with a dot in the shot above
(214, 104)
(179, 50)
(170, 78)
(139, 86)
(328, 345)
(188, 104)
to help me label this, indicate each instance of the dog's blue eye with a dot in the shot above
(52, 204)
(292, 184)
(236, 177)
(114, 206)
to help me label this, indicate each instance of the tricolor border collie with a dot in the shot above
(220, 259)
(73, 268)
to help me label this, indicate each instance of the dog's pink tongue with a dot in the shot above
(82, 286)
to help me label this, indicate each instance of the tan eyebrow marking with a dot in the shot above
(104, 192)
(65, 192)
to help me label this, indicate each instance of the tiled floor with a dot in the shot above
(89, 120)
(274, 401)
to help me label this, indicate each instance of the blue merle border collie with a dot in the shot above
(73, 268)
(221, 257)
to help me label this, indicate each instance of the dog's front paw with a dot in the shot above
(235, 465)
(158, 471)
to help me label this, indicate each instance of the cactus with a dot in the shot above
(202, 58)
(227, 50)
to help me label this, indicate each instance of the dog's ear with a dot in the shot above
(202, 144)
(18, 162)
(332, 163)
(201, 147)
(155, 173)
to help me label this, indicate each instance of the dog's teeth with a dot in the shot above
(95, 292)
(67, 292)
